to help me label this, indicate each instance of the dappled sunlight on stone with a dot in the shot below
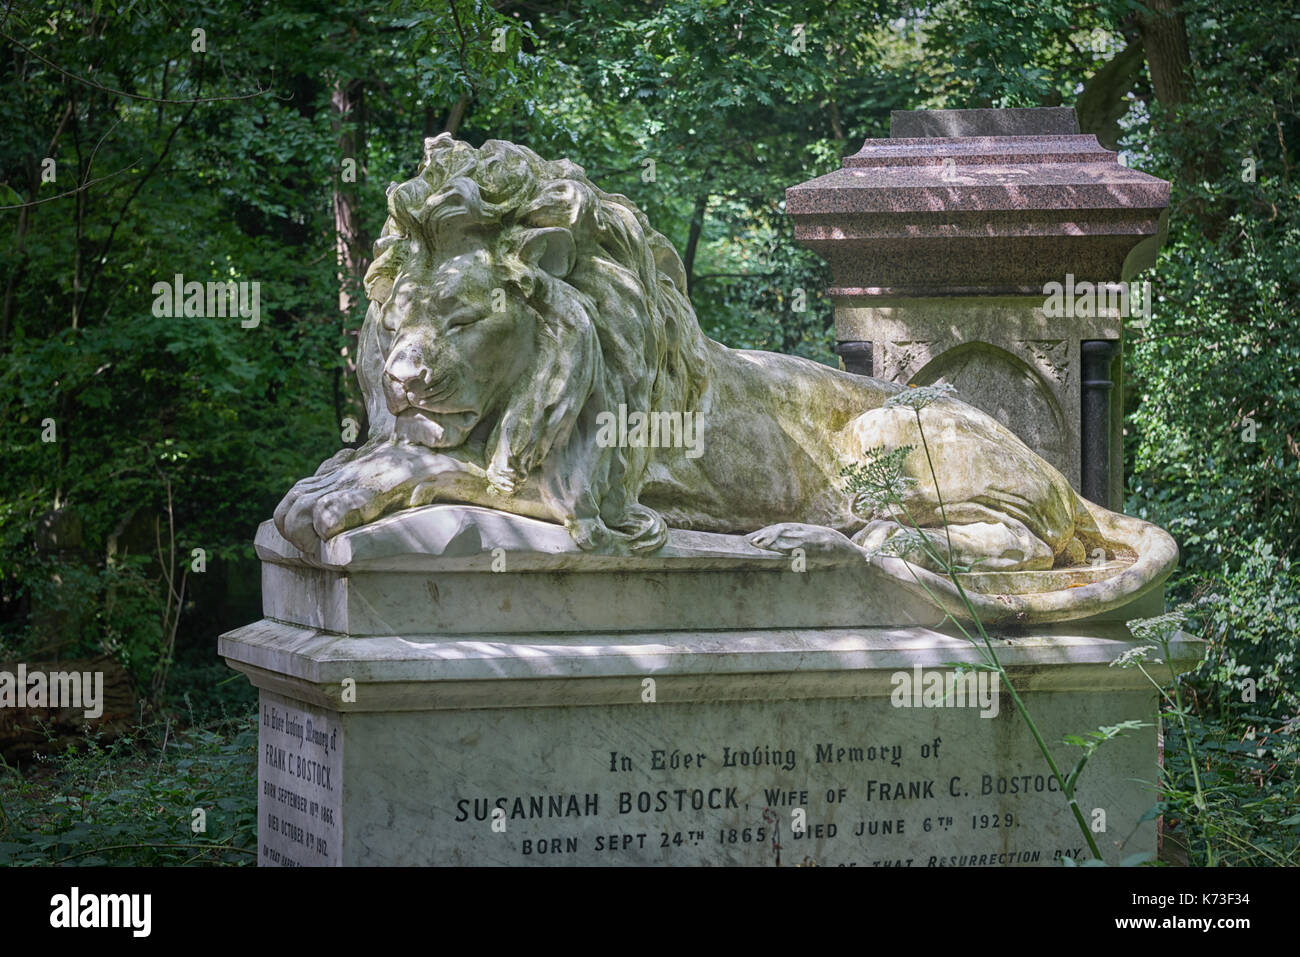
(541, 642)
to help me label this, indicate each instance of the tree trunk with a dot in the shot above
(1164, 35)
(693, 239)
(347, 104)
(1103, 101)
(456, 115)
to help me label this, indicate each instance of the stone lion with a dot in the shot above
(530, 347)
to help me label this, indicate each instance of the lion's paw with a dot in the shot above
(504, 479)
(642, 529)
(876, 533)
(788, 536)
(337, 460)
(589, 534)
(355, 492)
(316, 513)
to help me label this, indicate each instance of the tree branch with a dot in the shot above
(134, 96)
(100, 256)
(72, 192)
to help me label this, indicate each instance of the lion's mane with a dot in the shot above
(614, 323)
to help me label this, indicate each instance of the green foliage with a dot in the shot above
(1251, 621)
(1250, 775)
(1213, 400)
(1004, 53)
(1229, 788)
(1214, 397)
(878, 482)
(132, 802)
(182, 433)
(1090, 741)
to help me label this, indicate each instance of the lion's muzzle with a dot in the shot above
(408, 382)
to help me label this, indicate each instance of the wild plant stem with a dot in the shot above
(1176, 707)
(1066, 788)
(1176, 704)
(943, 515)
(1201, 803)
(992, 658)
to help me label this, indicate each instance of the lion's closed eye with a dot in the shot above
(463, 316)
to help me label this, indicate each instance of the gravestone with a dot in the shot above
(945, 241)
(596, 601)
(692, 708)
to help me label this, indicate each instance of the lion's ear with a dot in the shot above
(551, 249)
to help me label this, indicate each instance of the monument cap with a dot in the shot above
(961, 206)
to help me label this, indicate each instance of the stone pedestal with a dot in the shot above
(1023, 365)
(705, 705)
(944, 242)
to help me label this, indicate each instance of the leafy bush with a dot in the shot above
(133, 801)
(1250, 776)
(1252, 623)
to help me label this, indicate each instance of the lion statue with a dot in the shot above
(529, 346)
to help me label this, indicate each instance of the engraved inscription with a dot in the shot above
(300, 779)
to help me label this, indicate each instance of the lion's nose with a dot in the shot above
(406, 378)
(408, 374)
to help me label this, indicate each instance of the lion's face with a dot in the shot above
(453, 358)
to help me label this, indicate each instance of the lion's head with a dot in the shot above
(513, 301)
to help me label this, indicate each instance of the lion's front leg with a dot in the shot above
(353, 490)
(345, 455)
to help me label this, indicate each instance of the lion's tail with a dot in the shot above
(1154, 551)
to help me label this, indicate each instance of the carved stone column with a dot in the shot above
(945, 241)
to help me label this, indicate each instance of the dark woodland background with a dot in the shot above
(231, 159)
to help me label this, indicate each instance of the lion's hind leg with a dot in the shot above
(981, 540)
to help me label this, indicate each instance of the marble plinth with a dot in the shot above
(479, 722)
